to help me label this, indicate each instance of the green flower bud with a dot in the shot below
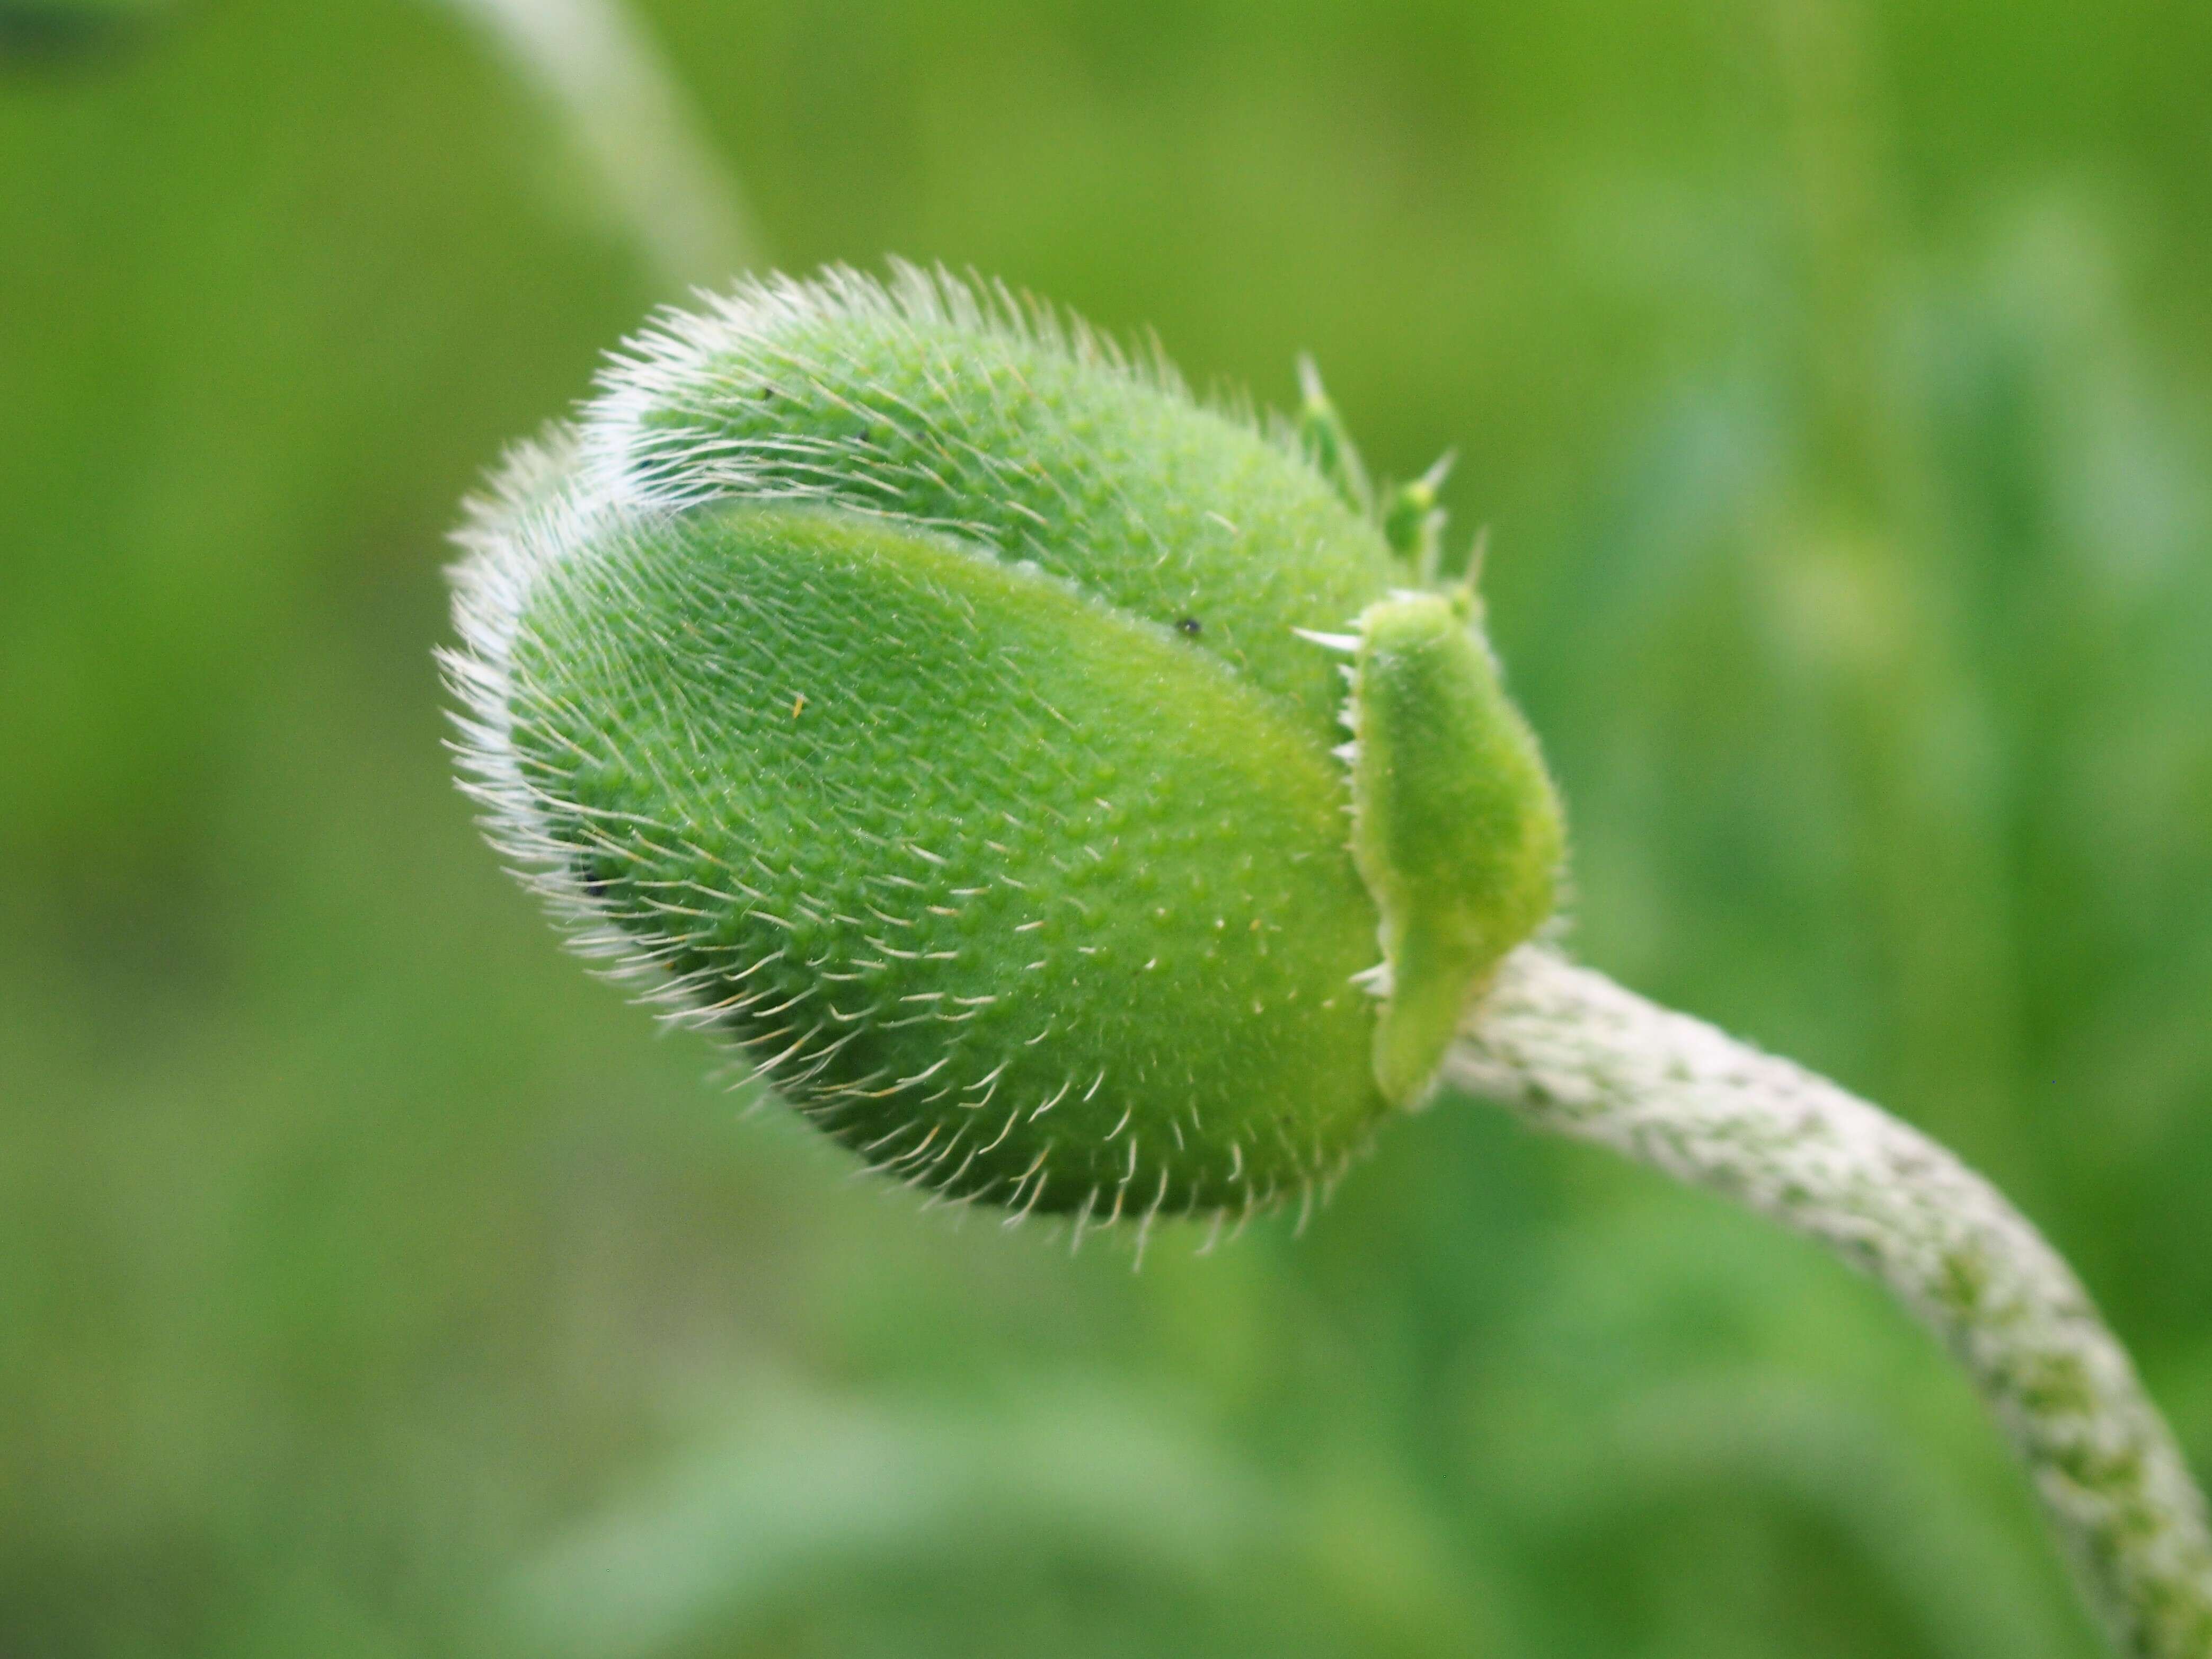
(949, 712)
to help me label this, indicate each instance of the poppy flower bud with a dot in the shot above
(951, 712)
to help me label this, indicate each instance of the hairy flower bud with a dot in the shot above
(950, 712)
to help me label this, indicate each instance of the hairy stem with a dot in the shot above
(1573, 1053)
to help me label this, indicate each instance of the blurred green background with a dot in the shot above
(1836, 379)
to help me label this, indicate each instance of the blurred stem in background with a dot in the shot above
(634, 128)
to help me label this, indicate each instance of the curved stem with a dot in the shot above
(1574, 1053)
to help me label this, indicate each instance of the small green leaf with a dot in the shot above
(1456, 830)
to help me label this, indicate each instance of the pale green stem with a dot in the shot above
(1573, 1053)
(624, 109)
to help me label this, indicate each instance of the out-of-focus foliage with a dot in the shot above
(1837, 379)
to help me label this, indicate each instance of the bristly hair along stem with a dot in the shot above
(1573, 1054)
